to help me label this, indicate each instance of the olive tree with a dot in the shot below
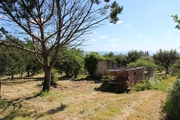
(165, 58)
(52, 24)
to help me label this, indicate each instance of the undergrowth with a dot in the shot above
(3, 104)
(146, 85)
(171, 107)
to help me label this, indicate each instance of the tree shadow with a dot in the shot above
(20, 81)
(15, 109)
(111, 87)
(57, 109)
(51, 111)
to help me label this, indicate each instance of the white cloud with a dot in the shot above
(138, 35)
(128, 25)
(103, 37)
(113, 40)
(92, 40)
(119, 22)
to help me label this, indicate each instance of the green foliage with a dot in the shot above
(177, 20)
(172, 105)
(70, 62)
(12, 61)
(54, 77)
(91, 60)
(142, 62)
(109, 56)
(166, 58)
(3, 104)
(115, 10)
(166, 84)
(176, 68)
(146, 85)
(134, 55)
(121, 60)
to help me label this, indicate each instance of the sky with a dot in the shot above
(144, 25)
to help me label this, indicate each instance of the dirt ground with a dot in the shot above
(76, 100)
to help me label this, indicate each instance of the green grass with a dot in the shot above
(3, 104)
(166, 84)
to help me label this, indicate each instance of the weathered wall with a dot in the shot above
(136, 75)
(128, 77)
(104, 65)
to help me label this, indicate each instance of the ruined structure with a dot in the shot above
(104, 65)
(126, 78)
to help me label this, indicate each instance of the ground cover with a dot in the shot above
(77, 100)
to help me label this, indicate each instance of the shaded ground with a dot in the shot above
(77, 101)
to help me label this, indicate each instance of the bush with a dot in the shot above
(3, 104)
(91, 60)
(172, 105)
(141, 62)
(110, 86)
(146, 85)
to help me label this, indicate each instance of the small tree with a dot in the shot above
(71, 62)
(134, 55)
(12, 61)
(91, 60)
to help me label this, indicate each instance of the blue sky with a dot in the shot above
(144, 25)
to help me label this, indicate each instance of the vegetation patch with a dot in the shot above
(146, 85)
(110, 86)
(171, 107)
(3, 104)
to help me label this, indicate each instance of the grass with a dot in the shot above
(167, 84)
(77, 100)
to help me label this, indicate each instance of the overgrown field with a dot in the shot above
(76, 100)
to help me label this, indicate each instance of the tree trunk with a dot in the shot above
(28, 74)
(47, 80)
(12, 77)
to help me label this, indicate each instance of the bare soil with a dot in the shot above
(76, 100)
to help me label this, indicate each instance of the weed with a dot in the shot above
(3, 104)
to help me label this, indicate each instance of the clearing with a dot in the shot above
(76, 100)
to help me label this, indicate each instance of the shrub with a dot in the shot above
(3, 104)
(146, 85)
(91, 60)
(110, 86)
(141, 62)
(172, 105)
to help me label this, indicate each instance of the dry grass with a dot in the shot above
(76, 100)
